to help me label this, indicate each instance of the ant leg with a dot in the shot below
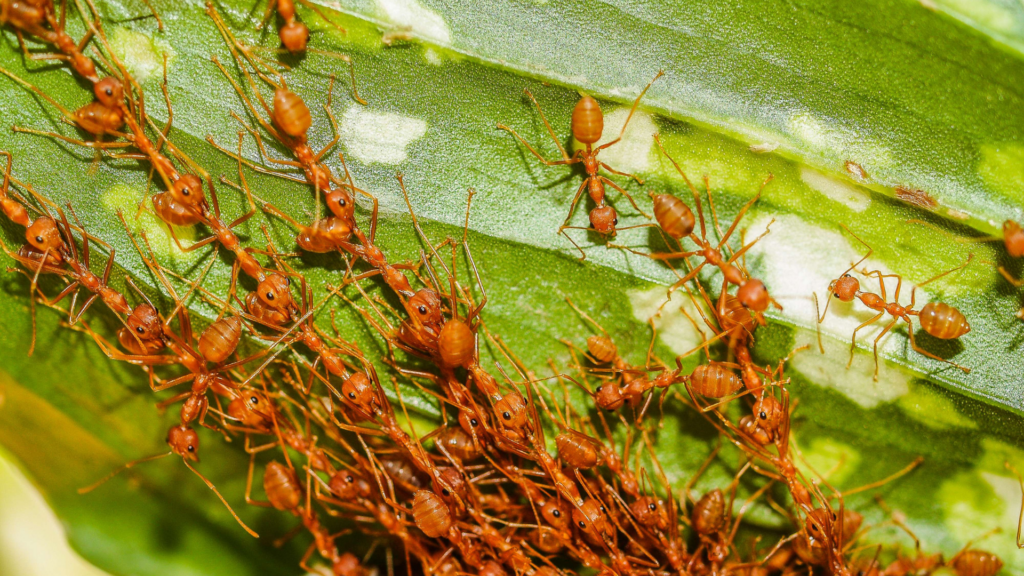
(323, 16)
(566, 159)
(1013, 281)
(575, 201)
(913, 344)
(620, 173)
(743, 211)
(853, 343)
(632, 111)
(75, 141)
(885, 331)
(626, 194)
(950, 271)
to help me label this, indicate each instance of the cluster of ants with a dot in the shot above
(483, 492)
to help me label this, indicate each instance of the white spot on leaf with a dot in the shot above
(422, 21)
(379, 136)
(633, 152)
(851, 197)
(142, 55)
(675, 330)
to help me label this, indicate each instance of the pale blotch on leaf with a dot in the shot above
(420, 20)
(857, 383)
(998, 16)
(1002, 168)
(675, 330)
(633, 152)
(974, 502)
(931, 408)
(828, 458)
(432, 57)
(826, 137)
(380, 137)
(850, 196)
(142, 54)
(32, 539)
(126, 199)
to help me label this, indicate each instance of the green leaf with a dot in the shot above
(917, 99)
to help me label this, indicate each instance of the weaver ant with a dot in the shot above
(587, 126)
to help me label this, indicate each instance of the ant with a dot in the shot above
(294, 34)
(587, 126)
(938, 319)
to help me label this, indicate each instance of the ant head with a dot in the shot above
(819, 526)
(470, 422)
(451, 481)
(590, 518)
(511, 410)
(144, 322)
(184, 442)
(587, 121)
(274, 292)
(341, 203)
(845, 288)
(760, 436)
(43, 234)
(604, 219)
(109, 91)
(673, 215)
(425, 307)
(347, 485)
(249, 409)
(188, 190)
(556, 513)
(358, 390)
(609, 396)
(650, 512)
(294, 36)
(769, 413)
(456, 343)
(752, 294)
(1013, 237)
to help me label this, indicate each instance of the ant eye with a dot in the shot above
(287, 281)
(352, 395)
(615, 222)
(110, 92)
(598, 391)
(422, 309)
(191, 448)
(140, 329)
(473, 422)
(506, 415)
(254, 400)
(445, 492)
(349, 479)
(270, 295)
(341, 202)
(39, 239)
(557, 513)
(762, 415)
(602, 509)
(652, 507)
(583, 525)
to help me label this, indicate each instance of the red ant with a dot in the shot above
(938, 319)
(587, 126)
(294, 34)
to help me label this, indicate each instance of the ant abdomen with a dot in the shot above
(977, 563)
(1013, 238)
(673, 215)
(708, 515)
(220, 339)
(602, 349)
(943, 321)
(431, 514)
(456, 343)
(290, 113)
(587, 121)
(715, 381)
(282, 487)
(576, 450)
